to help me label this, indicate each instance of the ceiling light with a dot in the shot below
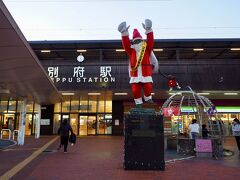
(45, 51)
(198, 49)
(235, 49)
(231, 94)
(157, 50)
(81, 50)
(203, 93)
(120, 94)
(94, 94)
(152, 94)
(68, 94)
(120, 50)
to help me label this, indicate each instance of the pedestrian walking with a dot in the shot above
(194, 129)
(63, 131)
(236, 132)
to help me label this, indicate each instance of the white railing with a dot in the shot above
(15, 131)
(9, 133)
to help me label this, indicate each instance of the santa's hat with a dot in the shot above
(136, 35)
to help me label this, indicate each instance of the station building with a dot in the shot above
(87, 82)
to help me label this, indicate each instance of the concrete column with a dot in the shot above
(22, 123)
(38, 119)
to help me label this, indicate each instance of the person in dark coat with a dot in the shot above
(205, 131)
(63, 131)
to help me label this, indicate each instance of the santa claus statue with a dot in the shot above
(142, 61)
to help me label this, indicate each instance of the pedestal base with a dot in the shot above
(144, 140)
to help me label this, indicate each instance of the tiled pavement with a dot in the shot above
(101, 158)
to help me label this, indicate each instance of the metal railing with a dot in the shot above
(9, 133)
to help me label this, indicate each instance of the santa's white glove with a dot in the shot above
(123, 28)
(147, 26)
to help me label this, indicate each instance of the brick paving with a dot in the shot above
(101, 158)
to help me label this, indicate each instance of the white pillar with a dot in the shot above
(22, 123)
(38, 119)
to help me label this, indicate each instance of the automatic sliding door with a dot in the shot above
(87, 125)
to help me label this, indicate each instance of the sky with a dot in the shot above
(98, 19)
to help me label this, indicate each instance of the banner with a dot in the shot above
(169, 111)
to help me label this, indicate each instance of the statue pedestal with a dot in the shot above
(144, 140)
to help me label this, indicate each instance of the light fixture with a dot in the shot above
(81, 50)
(45, 51)
(203, 93)
(152, 94)
(120, 50)
(235, 49)
(198, 49)
(94, 94)
(68, 93)
(158, 50)
(120, 94)
(80, 58)
(231, 94)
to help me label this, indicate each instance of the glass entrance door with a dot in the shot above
(87, 125)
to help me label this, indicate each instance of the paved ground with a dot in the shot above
(100, 158)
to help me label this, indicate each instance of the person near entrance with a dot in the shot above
(142, 61)
(194, 129)
(63, 131)
(236, 132)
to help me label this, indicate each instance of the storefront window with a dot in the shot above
(66, 106)
(3, 106)
(74, 106)
(74, 122)
(56, 123)
(57, 108)
(83, 106)
(29, 124)
(19, 106)
(108, 120)
(108, 106)
(36, 107)
(29, 107)
(12, 107)
(101, 105)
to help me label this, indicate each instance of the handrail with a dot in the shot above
(9, 133)
(14, 133)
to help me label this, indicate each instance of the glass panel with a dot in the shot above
(36, 107)
(101, 106)
(3, 106)
(12, 107)
(73, 122)
(29, 107)
(101, 124)
(83, 106)
(28, 125)
(91, 125)
(66, 106)
(108, 106)
(57, 108)
(56, 123)
(19, 106)
(108, 127)
(8, 122)
(74, 106)
(92, 104)
(82, 125)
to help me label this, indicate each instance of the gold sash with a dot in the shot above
(140, 56)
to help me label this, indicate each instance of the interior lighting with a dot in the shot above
(81, 50)
(158, 50)
(120, 94)
(235, 49)
(68, 94)
(120, 50)
(231, 94)
(198, 49)
(203, 93)
(152, 94)
(94, 94)
(45, 51)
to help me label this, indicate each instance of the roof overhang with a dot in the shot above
(21, 74)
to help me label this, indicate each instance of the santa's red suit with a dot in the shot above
(142, 76)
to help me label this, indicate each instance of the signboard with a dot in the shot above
(45, 122)
(169, 111)
(203, 145)
(116, 122)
